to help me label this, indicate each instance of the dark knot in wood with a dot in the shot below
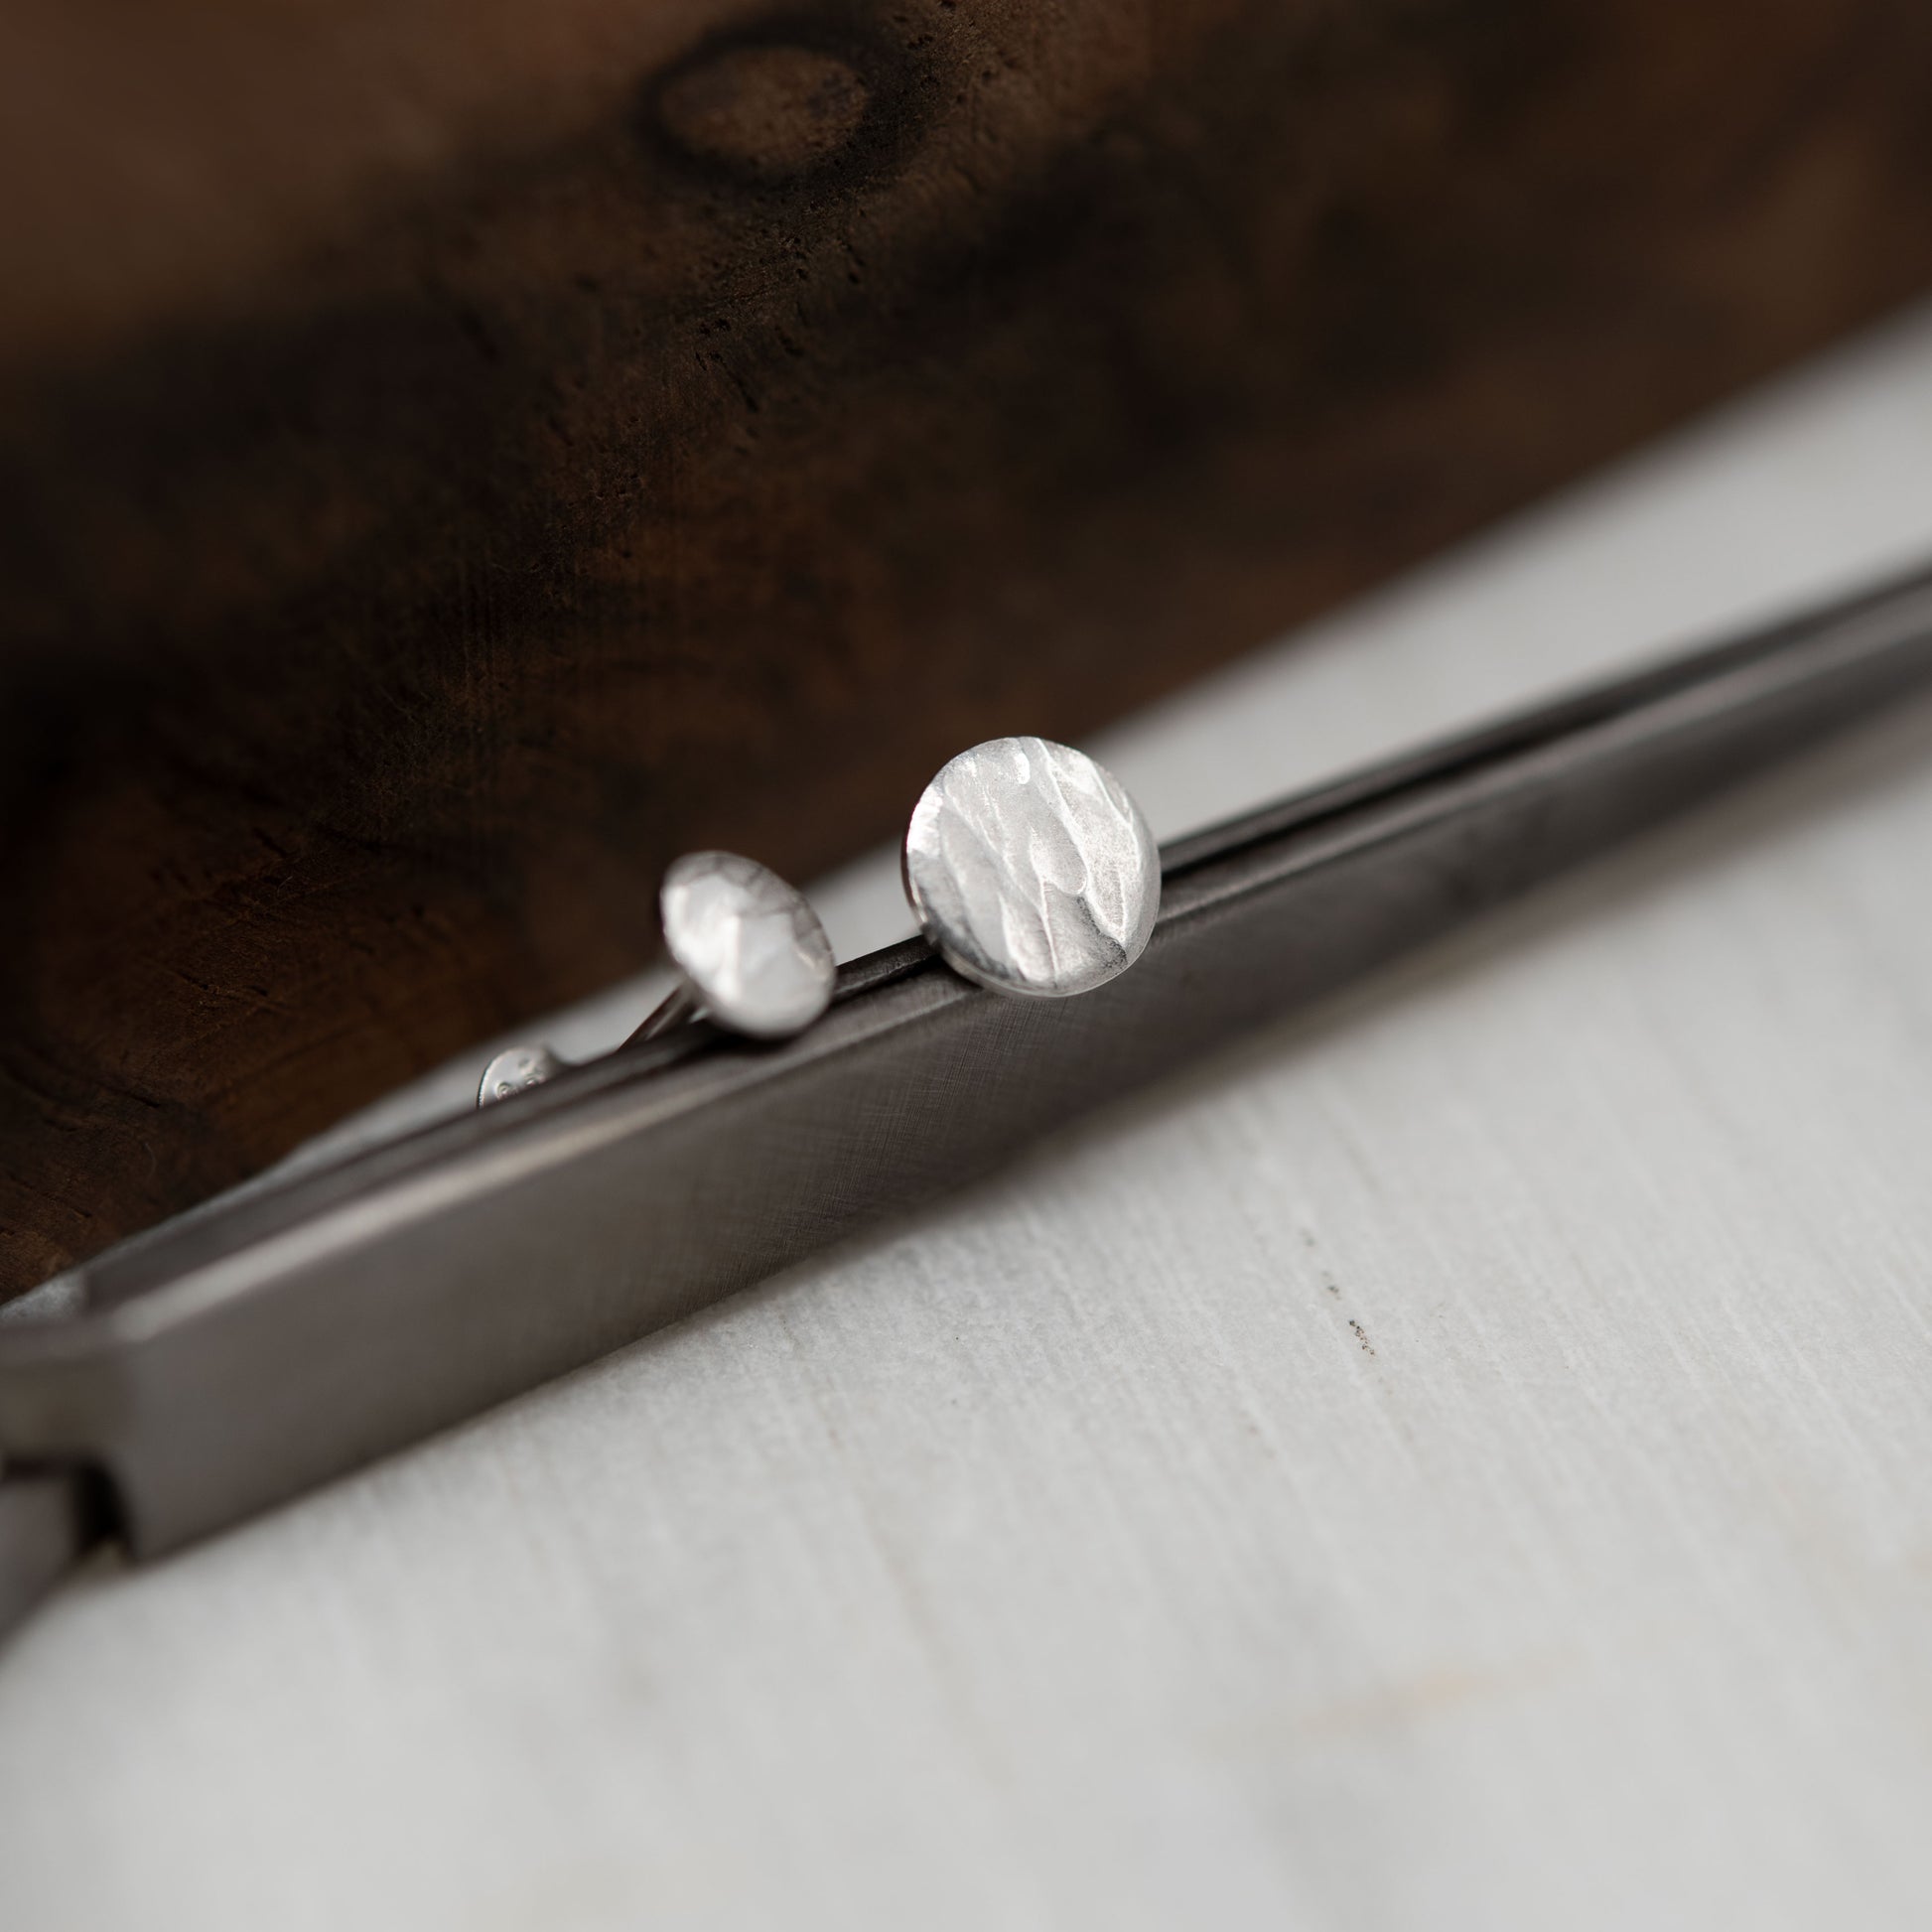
(767, 112)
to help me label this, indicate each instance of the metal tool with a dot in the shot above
(221, 1364)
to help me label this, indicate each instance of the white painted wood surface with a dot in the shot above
(1466, 1463)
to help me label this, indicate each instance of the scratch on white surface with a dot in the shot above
(1461, 1462)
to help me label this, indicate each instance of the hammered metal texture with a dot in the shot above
(1031, 870)
(755, 955)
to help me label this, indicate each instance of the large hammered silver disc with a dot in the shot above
(753, 949)
(1031, 870)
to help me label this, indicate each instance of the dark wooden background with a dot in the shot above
(456, 454)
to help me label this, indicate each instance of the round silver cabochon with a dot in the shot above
(753, 949)
(1031, 870)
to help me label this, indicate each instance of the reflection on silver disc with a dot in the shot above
(757, 957)
(1031, 869)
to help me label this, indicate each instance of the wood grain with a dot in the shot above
(454, 458)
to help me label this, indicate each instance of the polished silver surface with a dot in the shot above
(751, 948)
(1031, 870)
(231, 1360)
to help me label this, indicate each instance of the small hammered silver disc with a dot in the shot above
(755, 955)
(515, 1069)
(1030, 869)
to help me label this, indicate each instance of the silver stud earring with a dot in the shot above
(751, 953)
(1031, 870)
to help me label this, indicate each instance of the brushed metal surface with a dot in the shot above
(46, 1525)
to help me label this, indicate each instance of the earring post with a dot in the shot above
(676, 1006)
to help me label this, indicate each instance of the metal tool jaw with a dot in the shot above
(221, 1365)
